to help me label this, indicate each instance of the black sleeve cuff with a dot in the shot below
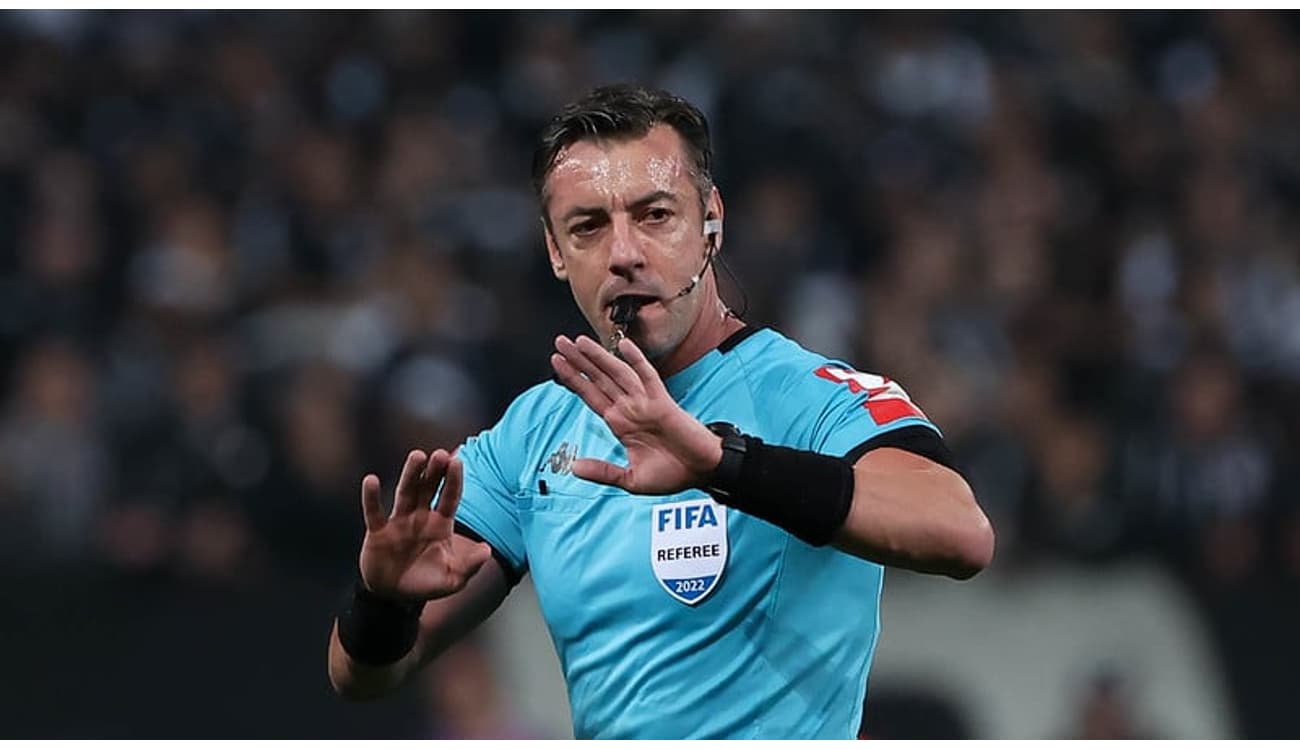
(922, 441)
(513, 577)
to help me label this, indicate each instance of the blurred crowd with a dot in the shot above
(246, 258)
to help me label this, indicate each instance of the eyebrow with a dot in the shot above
(655, 197)
(642, 202)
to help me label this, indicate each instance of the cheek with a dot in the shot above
(678, 239)
(679, 252)
(585, 284)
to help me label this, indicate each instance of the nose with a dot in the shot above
(625, 254)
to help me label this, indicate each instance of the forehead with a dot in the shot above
(598, 172)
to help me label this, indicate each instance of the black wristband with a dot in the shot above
(805, 493)
(375, 630)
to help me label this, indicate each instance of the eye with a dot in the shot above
(584, 228)
(657, 215)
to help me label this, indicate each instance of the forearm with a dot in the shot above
(912, 513)
(442, 623)
(355, 680)
(891, 506)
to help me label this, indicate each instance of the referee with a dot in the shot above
(705, 507)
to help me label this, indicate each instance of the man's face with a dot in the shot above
(626, 220)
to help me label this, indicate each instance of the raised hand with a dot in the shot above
(412, 553)
(668, 450)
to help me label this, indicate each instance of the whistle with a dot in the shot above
(621, 315)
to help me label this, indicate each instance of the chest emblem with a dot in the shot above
(688, 547)
(560, 462)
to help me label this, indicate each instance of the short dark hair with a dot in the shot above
(624, 111)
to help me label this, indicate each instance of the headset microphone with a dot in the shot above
(712, 228)
(625, 309)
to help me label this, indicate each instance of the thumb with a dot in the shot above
(602, 472)
(474, 559)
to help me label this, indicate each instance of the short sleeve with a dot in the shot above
(489, 506)
(850, 408)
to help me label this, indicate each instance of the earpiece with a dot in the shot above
(712, 228)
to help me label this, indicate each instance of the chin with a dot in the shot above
(652, 353)
(654, 346)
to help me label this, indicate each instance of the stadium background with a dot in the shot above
(246, 258)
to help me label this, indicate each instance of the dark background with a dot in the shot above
(246, 258)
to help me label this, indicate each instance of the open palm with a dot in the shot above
(668, 450)
(413, 553)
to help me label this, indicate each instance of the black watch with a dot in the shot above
(726, 477)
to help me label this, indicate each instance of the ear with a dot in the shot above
(714, 211)
(553, 254)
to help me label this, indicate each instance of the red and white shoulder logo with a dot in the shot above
(886, 400)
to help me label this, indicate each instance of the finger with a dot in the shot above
(584, 364)
(641, 366)
(371, 509)
(574, 381)
(408, 483)
(610, 366)
(603, 472)
(453, 484)
(435, 470)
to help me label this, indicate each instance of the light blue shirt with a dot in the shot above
(674, 616)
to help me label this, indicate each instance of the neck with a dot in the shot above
(711, 328)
